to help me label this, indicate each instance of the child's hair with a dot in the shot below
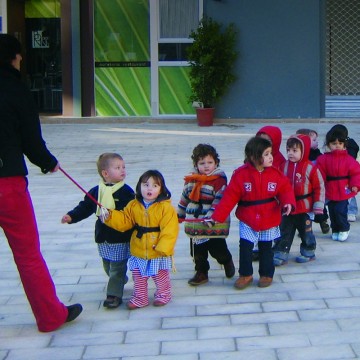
(308, 132)
(337, 132)
(202, 150)
(158, 178)
(103, 161)
(294, 142)
(254, 150)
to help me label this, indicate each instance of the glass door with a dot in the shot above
(43, 53)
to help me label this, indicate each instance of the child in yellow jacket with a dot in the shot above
(153, 240)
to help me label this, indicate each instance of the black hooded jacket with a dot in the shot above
(20, 131)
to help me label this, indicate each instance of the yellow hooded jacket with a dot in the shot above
(153, 244)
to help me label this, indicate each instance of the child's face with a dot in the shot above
(294, 153)
(150, 190)
(116, 171)
(314, 141)
(267, 158)
(206, 165)
(336, 145)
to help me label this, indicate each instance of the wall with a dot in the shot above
(281, 63)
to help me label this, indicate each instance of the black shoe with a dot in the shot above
(112, 302)
(325, 228)
(73, 312)
(229, 268)
(198, 279)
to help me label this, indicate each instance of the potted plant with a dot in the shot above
(211, 57)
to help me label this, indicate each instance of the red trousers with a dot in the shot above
(18, 221)
(140, 296)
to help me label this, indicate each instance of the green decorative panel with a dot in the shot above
(42, 9)
(174, 87)
(122, 30)
(122, 91)
(122, 57)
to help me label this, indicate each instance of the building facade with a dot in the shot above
(127, 58)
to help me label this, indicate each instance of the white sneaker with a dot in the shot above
(343, 235)
(335, 236)
(351, 217)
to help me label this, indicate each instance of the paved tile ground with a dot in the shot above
(312, 311)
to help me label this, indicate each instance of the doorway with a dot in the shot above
(43, 54)
(342, 58)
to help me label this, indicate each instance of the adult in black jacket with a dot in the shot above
(20, 134)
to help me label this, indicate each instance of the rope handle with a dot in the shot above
(80, 187)
(195, 220)
(104, 213)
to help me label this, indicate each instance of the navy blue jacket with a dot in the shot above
(103, 232)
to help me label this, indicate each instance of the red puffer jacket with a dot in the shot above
(270, 187)
(341, 172)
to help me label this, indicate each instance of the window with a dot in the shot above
(177, 20)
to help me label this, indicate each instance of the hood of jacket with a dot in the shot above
(275, 135)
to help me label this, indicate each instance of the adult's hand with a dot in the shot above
(56, 168)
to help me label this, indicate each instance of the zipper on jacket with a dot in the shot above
(146, 235)
(261, 180)
(293, 176)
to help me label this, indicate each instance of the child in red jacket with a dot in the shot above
(309, 189)
(342, 180)
(315, 152)
(274, 135)
(261, 193)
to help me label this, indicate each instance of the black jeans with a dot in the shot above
(338, 215)
(216, 247)
(289, 225)
(266, 264)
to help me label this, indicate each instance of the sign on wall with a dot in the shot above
(39, 40)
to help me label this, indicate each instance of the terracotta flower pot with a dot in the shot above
(205, 116)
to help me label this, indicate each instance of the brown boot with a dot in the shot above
(243, 281)
(198, 279)
(264, 281)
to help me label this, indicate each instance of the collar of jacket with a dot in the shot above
(10, 70)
